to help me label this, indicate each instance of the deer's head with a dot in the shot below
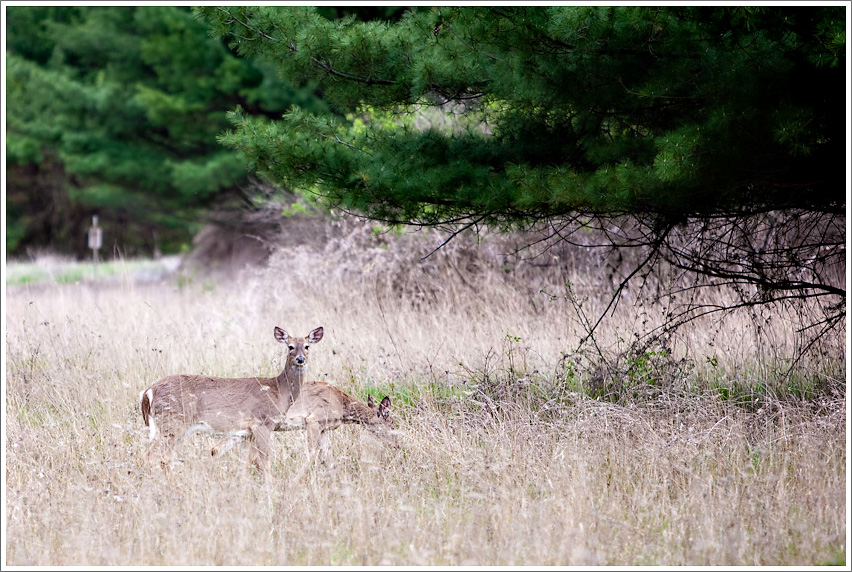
(298, 348)
(382, 424)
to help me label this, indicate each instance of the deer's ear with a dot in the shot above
(281, 335)
(315, 335)
(384, 407)
(370, 402)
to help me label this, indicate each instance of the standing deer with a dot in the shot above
(246, 409)
(322, 408)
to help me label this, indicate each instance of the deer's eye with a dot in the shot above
(306, 347)
(292, 347)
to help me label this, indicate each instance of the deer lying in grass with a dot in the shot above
(322, 408)
(246, 409)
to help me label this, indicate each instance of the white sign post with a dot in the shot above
(96, 239)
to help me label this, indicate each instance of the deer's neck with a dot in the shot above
(356, 412)
(290, 381)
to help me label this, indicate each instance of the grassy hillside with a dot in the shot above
(519, 447)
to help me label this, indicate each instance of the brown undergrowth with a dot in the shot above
(519, 448)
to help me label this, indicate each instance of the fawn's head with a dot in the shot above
(297, 354)
(382, 424)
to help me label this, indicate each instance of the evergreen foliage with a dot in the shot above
(711, 139)
(115, 110)
(671, 112)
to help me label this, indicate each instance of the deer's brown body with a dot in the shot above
(322, 407)
(246, 409)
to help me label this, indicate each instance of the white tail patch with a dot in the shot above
(152, 428)
(152, 423)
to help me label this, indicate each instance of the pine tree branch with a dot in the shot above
(326, 67)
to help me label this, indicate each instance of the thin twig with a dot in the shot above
(453, 235)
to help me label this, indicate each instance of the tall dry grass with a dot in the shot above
(507, 460)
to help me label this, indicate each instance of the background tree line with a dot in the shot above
(115, 111)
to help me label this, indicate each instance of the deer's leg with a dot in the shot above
(261, 435)
(317, 442)
(314, 432)
(224, 445)
(323, 447)
(161, 451)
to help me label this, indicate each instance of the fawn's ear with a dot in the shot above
(370, 402)
(281, 335)
(315, 335)
(384, 406)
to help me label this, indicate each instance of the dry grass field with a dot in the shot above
(511, 454)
